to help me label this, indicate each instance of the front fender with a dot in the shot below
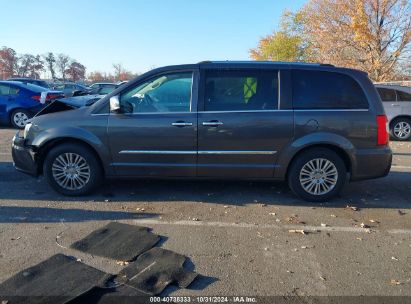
(311, 140)
(76, 133)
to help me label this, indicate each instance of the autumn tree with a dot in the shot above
(372, 35)
(63, 62)
(96, 76)
(286, 44)
(51, 63)
(8, 62)
(76, 71)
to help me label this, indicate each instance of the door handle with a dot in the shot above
(181, 124)
(213, 123)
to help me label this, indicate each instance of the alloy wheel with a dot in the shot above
(318, 176)
(20, 119)
(71, 171)
(402, 130)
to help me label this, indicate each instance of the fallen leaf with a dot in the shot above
(297, 231)
(395, 282)
(333, 215)
(272, 213)
(394, 258)
(353, 208)
(323, 279)
(374, 221)
(358, 238)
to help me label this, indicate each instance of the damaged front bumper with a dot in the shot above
(24, 157)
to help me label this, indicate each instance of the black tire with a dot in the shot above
(397, 121)
(95, 171)
(303, 159)
(14, 118)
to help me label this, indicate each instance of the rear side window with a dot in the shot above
(234, 90)
(326, 90)
(7, 90)
(387, 94)
(403, 96)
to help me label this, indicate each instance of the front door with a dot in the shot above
(240, 129)
(156, 133)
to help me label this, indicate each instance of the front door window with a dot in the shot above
(164, 94)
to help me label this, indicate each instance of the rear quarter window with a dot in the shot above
(326, 90)
(387, 94)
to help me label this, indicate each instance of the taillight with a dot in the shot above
(382, 132)
(36, 97)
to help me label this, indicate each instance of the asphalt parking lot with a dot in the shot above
(236, 234)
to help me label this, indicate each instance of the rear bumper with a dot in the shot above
(23, 157)
(373, 163)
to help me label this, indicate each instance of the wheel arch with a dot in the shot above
(46, 147)
(397, 118)
(339, 144)
(338, 150)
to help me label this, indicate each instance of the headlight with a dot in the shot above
(27, 129)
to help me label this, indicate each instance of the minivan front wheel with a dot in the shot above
(72, 169)
(317, 175)
(401, 129)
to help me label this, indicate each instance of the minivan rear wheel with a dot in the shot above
(401, 129)
(72, 169)
(317, 175)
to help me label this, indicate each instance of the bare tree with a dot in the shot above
(63, 62)
(51, 62)
(26, 62)
(118, 70)
(76, 71)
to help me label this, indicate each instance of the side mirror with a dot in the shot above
(114, 104)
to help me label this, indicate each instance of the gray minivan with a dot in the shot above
(314, 125)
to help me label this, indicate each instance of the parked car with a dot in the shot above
(316, 126)
(102, 88)
(80, 101)
(37, 82)
(397, 104)
(19, 101)
(69, 89)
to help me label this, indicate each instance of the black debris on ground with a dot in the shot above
(55, 280)
(155, 269)
(118, 241)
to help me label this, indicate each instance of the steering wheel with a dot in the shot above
(147, 100)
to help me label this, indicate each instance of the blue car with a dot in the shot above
(19, 102)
